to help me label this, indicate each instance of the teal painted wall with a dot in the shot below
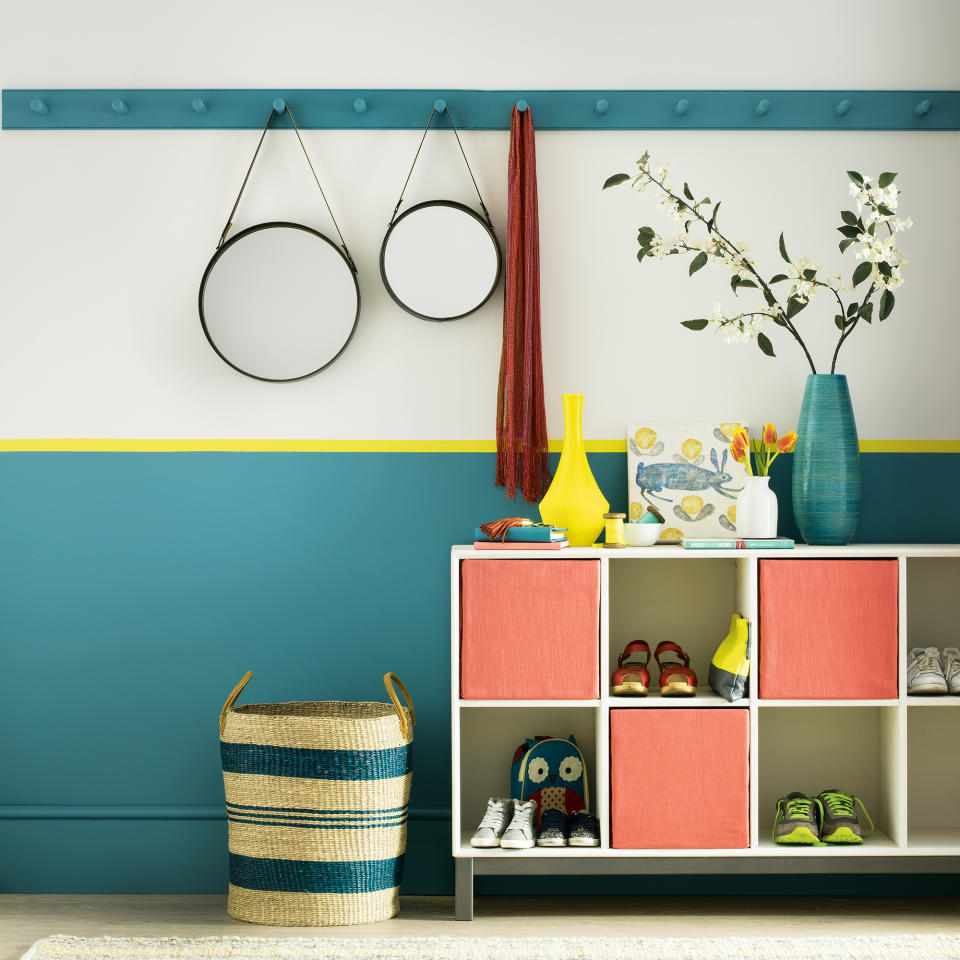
(136, 588)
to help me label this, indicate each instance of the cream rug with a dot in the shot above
(496, 948)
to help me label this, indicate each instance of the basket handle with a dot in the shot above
(388, 681)
(232, 699)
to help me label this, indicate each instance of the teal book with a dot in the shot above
(775, 543)
(526, 535)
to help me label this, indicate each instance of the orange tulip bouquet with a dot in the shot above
(765, 449)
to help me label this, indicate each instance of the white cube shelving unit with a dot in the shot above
(899, 755)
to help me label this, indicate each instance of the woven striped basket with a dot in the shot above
(317, 799)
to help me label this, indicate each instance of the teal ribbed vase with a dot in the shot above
(826, 463)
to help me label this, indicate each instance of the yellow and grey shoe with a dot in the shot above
(796, 820)
(839, 819)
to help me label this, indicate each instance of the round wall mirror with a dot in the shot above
(279, 302)
(440, 260)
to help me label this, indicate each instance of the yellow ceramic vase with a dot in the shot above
(574, 500)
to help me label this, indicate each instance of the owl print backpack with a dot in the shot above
(552, 772)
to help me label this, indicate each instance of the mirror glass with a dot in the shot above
(440, 260)
(279, 302)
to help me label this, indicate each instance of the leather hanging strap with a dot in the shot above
(243, 186)
(463, 153)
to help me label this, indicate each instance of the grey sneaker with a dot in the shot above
(494, 822)
(553, 829)
(950, 661)
(925, 672)
(584, 830)
(839, 820)
(796, 820)
(519, 835)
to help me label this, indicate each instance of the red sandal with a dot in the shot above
(632, 680)
(676, 679)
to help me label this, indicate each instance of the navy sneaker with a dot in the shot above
(583, 830)
(553, 829)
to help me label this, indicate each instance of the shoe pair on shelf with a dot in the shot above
(830, 817)
(632, 678)
(512, 825)
(933, 671)
(579, 829)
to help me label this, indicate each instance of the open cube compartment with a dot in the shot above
(689, 603)
(933, 780)
(932, 585)
(811, 749)
(488, 740)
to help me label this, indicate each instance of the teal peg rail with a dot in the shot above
(485, 109)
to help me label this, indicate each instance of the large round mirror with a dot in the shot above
(440, 260)
(279, 302)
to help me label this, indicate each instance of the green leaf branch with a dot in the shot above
(881, 261)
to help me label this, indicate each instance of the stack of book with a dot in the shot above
(536, 537)
(774, 543)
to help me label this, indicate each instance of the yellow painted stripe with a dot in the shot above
(910, 446)
(244, 445)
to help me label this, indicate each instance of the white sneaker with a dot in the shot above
(494, 822)
(950, 661)
(522, 830)
(924, 672)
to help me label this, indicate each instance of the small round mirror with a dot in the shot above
(279, 302)
(440, 260)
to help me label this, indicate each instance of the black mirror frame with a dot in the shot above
(457, 206)
(245, 233)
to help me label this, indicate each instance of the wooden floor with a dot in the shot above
(26, 918)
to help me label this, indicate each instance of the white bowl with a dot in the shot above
(642, 534)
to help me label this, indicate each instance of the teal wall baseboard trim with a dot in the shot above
(137, 588)
(359, 109)
(174, 811)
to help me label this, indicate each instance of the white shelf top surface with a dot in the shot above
(879, 844)
(922, 842)
(676, 552)
(705, 698)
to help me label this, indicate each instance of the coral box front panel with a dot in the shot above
(530, 629)
(828, 629)
(679, 779)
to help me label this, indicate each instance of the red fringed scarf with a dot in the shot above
(521, 418)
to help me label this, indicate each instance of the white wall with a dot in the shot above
(104, 235)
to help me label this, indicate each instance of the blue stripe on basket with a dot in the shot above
(320, 826)
(316, 764)
(280, 817)
(309, 876)
(372, 813)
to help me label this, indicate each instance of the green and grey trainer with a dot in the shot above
(796, 820)
(840, 822)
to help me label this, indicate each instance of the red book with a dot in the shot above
(516, 545)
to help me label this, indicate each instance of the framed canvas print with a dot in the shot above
(684, 468)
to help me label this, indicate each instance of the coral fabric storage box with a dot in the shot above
(530, 629)
(828, 629)
(679, 778)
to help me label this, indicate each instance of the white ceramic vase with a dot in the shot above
(756, 510)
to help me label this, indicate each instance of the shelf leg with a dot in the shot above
(464, 888)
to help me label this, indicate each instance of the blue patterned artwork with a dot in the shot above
(684, 469)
